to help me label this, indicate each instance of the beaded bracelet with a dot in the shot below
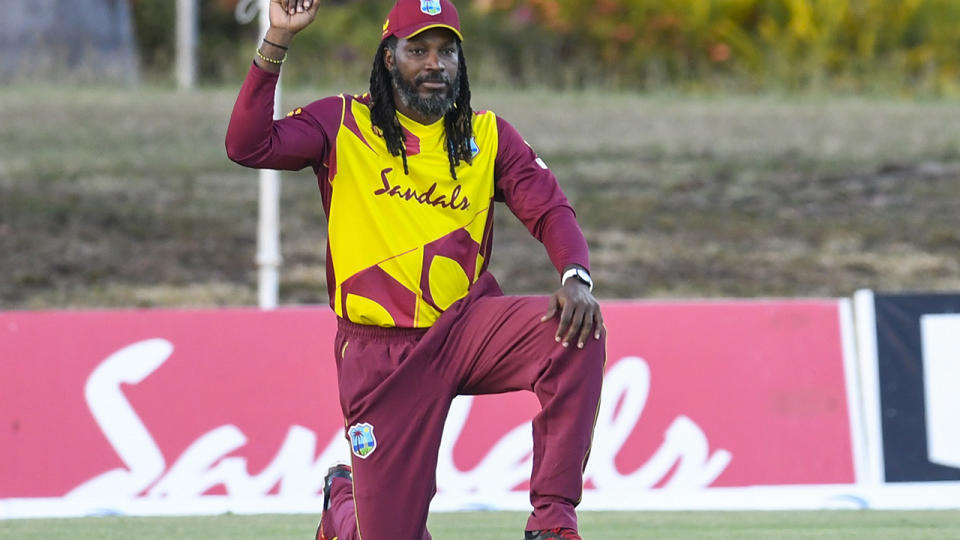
(271, 60)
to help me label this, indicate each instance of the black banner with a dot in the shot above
(903, 392)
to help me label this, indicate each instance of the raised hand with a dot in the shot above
(287, 17)
(292, 15)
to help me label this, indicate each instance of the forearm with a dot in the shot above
(252, 117)
(563, 239)
(249, 133)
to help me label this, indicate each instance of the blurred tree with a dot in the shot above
(857, 46)
(219, 34)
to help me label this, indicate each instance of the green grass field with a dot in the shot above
(833, 524)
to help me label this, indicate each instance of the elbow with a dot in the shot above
(242, 145)
(233, 152)
(558, 216)
(232, 146)
(238, 152)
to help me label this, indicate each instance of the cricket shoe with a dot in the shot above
(337, 471)
(552, 534)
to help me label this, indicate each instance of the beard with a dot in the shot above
(436, 103)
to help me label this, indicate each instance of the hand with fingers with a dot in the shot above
(579, 313)
(287, 17)
(292, 15)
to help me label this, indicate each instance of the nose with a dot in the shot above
(433, 61)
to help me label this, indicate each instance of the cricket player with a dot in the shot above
(408, 174)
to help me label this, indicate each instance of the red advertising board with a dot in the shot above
(165, 405)
(763, 381)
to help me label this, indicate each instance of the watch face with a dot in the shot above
(579, 273)
(583, 276)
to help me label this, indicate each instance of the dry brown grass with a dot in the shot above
(117, 198)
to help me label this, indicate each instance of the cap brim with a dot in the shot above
(415, 31)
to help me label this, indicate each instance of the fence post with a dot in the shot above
(268, 227)
(186, 43)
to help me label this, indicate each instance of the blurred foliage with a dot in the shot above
(907, 47)
(848, 45)
(154, 27)
(218, 38)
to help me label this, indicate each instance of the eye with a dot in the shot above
(417, 51)
(448, 51)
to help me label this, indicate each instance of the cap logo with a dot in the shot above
(430, 7)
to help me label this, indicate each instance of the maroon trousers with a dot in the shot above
(396, 386)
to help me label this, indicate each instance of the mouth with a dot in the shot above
(434, 85)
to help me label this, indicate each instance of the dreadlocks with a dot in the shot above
(458, 121)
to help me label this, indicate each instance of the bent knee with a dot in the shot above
(591, 358)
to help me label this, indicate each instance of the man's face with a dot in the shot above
(424, 70)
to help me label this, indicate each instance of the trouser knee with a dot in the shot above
(579, 372)
(588, 361)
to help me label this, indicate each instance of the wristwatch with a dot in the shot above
(579, 273)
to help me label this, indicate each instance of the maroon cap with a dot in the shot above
(410, 17)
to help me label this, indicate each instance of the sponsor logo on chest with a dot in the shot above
(431, 196)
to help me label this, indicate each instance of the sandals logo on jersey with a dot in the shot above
(474, 149)
(430, 7)
(362, 440)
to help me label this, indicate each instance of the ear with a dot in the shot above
(388, 59)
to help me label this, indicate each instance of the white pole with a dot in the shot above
(268, 228)
(186, 43)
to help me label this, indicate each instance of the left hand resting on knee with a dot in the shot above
(579, 313)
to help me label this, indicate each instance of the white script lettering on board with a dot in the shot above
(683, 460)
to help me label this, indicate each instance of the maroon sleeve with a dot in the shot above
(254, 139)
(532, 193)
